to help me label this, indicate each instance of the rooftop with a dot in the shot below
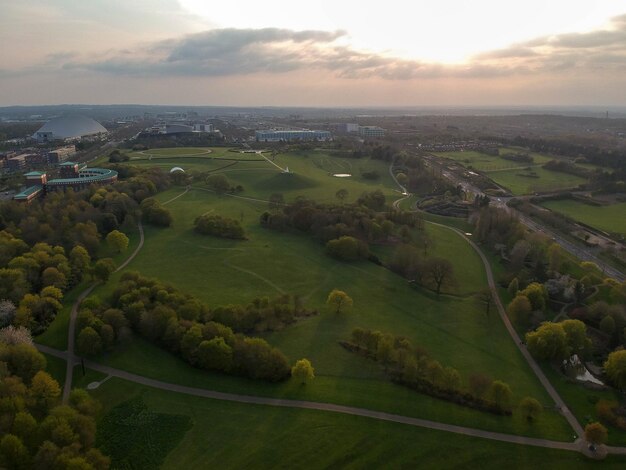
(28, 192)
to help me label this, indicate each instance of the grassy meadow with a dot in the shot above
(610, 218)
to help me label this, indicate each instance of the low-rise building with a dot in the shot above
(291, 135)
(61, 154)
(371, 131)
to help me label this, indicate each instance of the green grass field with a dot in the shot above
(611, 218)
(509, 173)
(230, 435)
(453, 328)
(221, 271)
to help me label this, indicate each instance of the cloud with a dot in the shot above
(237, 52)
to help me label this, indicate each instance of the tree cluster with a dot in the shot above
(413, 367)
(219, 226)
(184, 326)
(154, 213)
(37, 431)
(558, 341)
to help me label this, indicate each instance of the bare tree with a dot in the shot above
(440, 273)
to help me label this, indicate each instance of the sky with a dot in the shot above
(324, 53)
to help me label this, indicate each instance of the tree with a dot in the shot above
(79, 262)
(117, 241)
(537, 295)
(479, 384)
(13, 453)
(341, 194)
(341, 301)
(44, 390)
(347, 248)
(530, 408)
(103, 269)
(519, 309)
(215, 354)
(607, 325)
(7, 312)
(53, 277)
(276, 201)
(88, 342)
(595, 433)
(440, 273)
(500, 393)
(615, 368)
(303, 371)
(548, 342)
(16, 335)
(218, 183)
(555, 255)
(513, 287)
(576, 336)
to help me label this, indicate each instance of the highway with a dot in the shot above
(580, 252)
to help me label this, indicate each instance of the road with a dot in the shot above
(561, 406)
(578, 445)
(582, 253)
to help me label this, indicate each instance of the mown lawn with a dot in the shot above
(611, 218)
(231, 435)
(219, 271)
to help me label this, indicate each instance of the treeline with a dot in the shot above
(147, 141)
(567, 167)
(218, 226)
(37, 431)
(611, 158)
(362, 220)
(413, 367)
(186, 327)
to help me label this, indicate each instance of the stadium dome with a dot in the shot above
(68, 127)
(176, 169)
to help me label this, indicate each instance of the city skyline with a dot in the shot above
(246, 54)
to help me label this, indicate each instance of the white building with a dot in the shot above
(371, 131)
(288, 136)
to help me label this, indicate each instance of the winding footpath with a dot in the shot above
(72, 360)
(69, 369)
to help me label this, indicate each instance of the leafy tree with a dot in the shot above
(440, 273)
(549, 341)
(215, 354)
(219, 183)
(117, 241)
(15, 335)
(7, 312)
(513, 287)
(347, 248)
(479, 384)
(451, 379)
(607, 325)
(79, 262)
(13, 284)
(537, 295)
(576, 336)
(303, 371)
(23, 360)
(341, 301)
(276, 201)
(25, 427)
(216, 225)
(44, 390)
(615, 368)
(519, 309)
(53, 277)
(88, 342)
(555, 255)
(103, 269)
(13, 453)
(341, 194)
(595, 433)
(530, 408)
(500, 393)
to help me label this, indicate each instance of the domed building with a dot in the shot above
(68, 127)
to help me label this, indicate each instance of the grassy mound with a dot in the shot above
(285, 182)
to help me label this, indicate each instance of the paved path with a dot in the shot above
(310, 405)
(71, 334)
(561, 406)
